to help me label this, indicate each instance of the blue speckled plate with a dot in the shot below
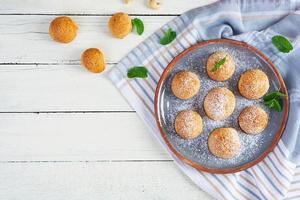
(195, 152)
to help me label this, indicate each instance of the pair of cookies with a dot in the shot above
(253, 84)
(64, 30)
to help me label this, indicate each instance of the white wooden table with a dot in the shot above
(66, 133)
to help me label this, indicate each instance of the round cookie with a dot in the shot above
(120, 25)
(63, 29)
(93, 60)
(253, 84)
(219, 103)
(225, 71)
(188, 124)
(224, 142)
(185, 84)
(253, 120)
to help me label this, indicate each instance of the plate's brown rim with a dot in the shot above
(277, 135)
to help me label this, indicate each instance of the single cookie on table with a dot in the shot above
(253, 120)
(63, 29)
(188, 124)
(225, 71)
(120, 25)
(185, 84)
(219, 103)
(253, 84)
(93, 60)
(224, 142)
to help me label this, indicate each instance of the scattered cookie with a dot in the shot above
(93, 60)
(120, 25)
(63, 29)
(188, 124)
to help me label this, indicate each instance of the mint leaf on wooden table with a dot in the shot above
(137, 72)
(139, 25)
(169, 36)
(218, 64)
(274, 100)
(282, 44)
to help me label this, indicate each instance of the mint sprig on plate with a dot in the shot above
(282, 44)
(274, 100)
(218, 64)
(169, 36)
(137, 72)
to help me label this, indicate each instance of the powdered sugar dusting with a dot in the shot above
(196, 149)
(188, 123)
(187, 84)
(218, 106)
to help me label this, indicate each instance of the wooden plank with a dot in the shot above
(25, 39)
(97, 7)
(76, 136)
(31, 88)
(135, 181)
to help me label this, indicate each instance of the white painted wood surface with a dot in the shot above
(96, 7)
(66, 133)
(21, 34)
(95, 180)
(56, 88)
(76, 137)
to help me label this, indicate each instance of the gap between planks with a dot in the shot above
(29, 35)
(92, 15)
(67, 112)
(84, 161)
(48, 64)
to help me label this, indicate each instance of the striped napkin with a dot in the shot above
(251, 21)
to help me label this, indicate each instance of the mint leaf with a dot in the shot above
(139, 25)
(137, 72)
(280, 102)
(273, 95)
(277, 106)
(273, 103)
(282, 44)
(218, 64)
(270, 103)
(169, 36)
(274, 100)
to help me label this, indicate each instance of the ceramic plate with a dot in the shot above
(195, 152)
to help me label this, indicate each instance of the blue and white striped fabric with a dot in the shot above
(251, 21)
